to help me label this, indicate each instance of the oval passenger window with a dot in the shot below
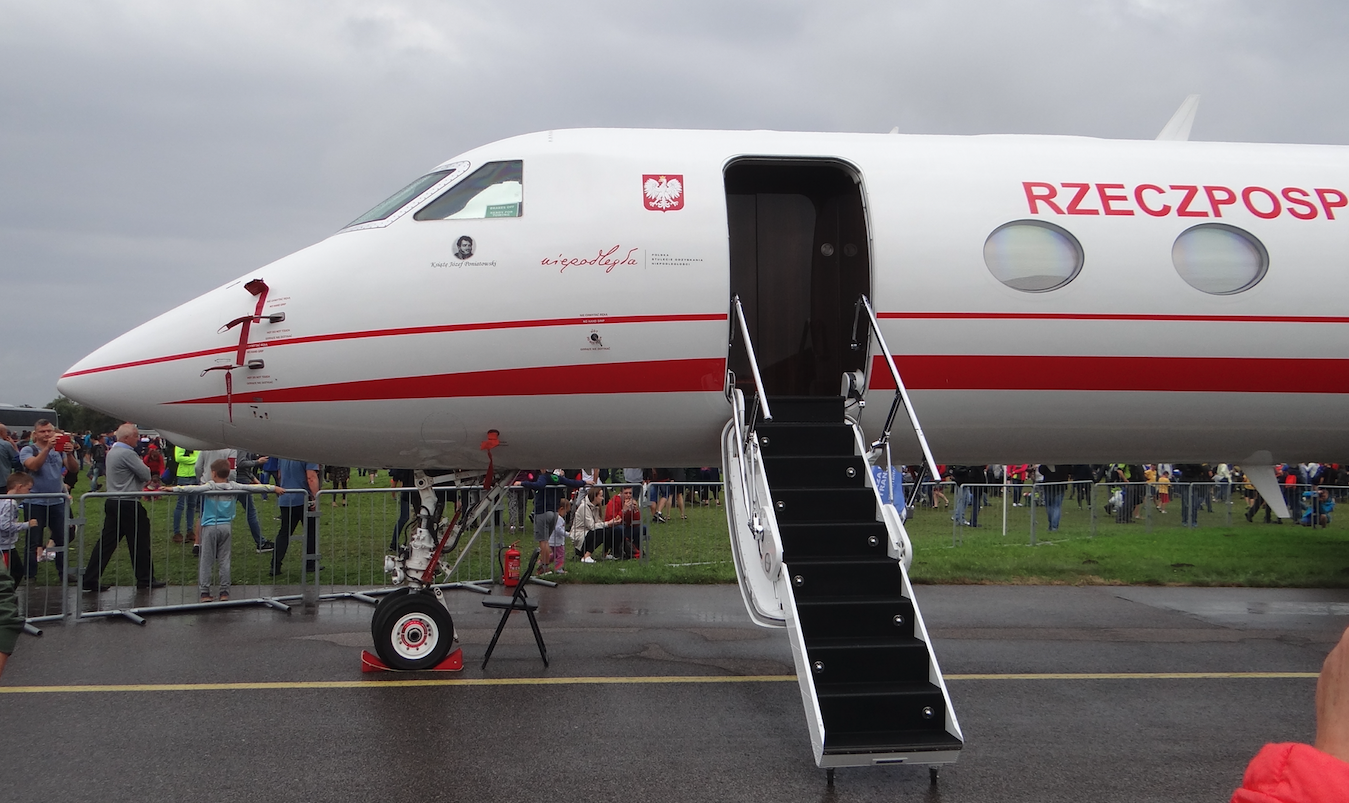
(1032, 256)
(1219, 259)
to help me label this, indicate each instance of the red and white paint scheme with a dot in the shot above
(586, 316)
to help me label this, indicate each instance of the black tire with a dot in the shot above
(413, 632)
(382, 607)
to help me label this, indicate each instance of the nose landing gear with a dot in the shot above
(412, 628)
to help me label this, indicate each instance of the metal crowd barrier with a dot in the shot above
(1086, 509)
(693, 534)
(358, 527)
(172, 518)
(42, 597)
(689, 539)
(1092, 509)
(354, 529)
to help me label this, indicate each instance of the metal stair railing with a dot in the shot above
(744, 424)
(901, 398)
(760, 395)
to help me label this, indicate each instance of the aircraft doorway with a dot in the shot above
(800, 256)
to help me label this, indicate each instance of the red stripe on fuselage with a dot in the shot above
(1155, 374)
(920, 372)
(657, 376)
(417, 330)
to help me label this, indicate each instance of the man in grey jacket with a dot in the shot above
(124, 516)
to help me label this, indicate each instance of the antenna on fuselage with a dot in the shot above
(1177, 129)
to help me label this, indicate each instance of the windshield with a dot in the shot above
(396, 201)
(494, 190)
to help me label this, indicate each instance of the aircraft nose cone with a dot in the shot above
(140, 376)
(108, 379)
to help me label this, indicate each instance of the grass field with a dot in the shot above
(1159, 552)
(1153, 550)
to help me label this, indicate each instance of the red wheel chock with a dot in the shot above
(452, 663)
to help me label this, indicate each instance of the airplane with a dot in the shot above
(659, 297)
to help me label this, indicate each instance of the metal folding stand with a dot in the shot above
(518, 601)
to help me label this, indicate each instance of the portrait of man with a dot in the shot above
(463, 249)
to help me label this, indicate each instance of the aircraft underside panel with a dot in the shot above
(1060, 426)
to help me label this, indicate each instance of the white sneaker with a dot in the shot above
(587, 559)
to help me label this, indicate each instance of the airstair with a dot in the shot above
(818, 553)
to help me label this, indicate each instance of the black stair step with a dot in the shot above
(867, 539)
(826, 409)
(883, 617)
(832, 663)
(855, 707)
(817, 579)
(778, 439)
(891, 741)
(816, 471)
(799, 505)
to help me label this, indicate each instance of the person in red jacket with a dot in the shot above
(154, 460)
(1299, 773)
(626, 512)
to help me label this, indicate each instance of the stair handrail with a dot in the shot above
(760, 395)
(901, 393)
(748, 460)
(744, 425)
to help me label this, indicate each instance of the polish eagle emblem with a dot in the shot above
(663, 193)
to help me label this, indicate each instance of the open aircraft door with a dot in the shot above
(800, 255)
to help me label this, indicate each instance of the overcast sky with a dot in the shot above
(151, 150)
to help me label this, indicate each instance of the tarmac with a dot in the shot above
(661, 693)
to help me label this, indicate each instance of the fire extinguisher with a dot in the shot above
(510, 568)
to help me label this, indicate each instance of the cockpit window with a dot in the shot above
(396, 201)
(494, 190)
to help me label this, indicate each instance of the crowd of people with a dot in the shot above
(1309, 490)
(46, 464)
(599, 511)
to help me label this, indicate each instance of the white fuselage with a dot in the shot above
(592, 329)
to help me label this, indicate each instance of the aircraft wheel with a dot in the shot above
(382, 607)
(412, 631)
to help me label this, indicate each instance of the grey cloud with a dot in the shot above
(152, 150)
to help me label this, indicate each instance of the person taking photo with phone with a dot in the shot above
(47, 459)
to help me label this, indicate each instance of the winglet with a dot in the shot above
(1178, 127)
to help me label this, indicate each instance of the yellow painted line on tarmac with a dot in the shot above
(383, 684)
(1138, 676)
(603, 681)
